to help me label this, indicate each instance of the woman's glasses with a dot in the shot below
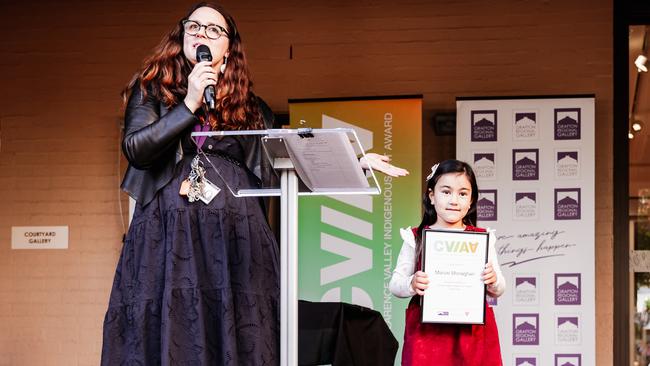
(212, 31)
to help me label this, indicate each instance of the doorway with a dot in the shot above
(631, 174)
(639, 193)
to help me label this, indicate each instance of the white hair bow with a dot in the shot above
(433, 171)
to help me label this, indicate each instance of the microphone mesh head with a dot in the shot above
(203, 53)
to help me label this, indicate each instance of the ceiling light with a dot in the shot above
(630, 135)
(637, 126)
(640, 63)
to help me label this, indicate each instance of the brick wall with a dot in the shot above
(63, 64)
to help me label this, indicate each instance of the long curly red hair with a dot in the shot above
(164, 75)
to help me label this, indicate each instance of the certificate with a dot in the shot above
(454, 261)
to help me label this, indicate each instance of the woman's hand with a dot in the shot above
(489, 276)
(202, 75)
(380, 163)
(420, 282)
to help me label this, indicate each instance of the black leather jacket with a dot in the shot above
(152, 144)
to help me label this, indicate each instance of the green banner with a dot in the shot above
(348, 245)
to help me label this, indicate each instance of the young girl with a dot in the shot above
(449, 203)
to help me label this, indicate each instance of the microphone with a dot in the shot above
(203, 54)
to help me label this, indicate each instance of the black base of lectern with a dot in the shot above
(343, 334)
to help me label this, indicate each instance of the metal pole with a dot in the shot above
(284, 342)
(289, 268)
(292, 271)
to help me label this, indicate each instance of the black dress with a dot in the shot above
(197, 284)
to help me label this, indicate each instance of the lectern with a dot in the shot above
(309, 162)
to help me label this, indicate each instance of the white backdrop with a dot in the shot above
(534, 160)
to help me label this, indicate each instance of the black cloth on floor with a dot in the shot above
(343, 334)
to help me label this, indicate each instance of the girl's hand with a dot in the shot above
(420, 282)
(489, 276)
(202, 75)
(380, 163)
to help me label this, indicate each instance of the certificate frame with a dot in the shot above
(454, 261)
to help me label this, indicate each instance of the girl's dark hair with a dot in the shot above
(430, 216)
(164, 75)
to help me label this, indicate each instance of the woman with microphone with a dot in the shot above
(197, 281)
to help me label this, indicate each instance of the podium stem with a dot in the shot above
(289, 268)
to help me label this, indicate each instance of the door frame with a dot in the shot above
(626, 13)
